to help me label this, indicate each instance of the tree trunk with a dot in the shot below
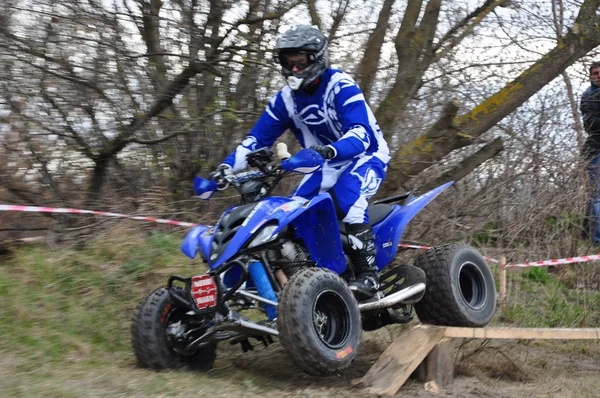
(467, 165)
(411, 43)
(443, 138)
(416, 52)
(367, 69)
(98, 175)
(151, 35)
(314, 15)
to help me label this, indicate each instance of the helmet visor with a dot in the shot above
(299, 59)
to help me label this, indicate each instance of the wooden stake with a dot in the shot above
(502, 265)
(438, 366)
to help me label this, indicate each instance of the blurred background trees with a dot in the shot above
(117, 105)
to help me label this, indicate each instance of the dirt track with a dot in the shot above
(496, 369)
(509, 369)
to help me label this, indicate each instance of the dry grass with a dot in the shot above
(66, 315)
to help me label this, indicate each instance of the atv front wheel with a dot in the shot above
(319, 322)
(159, 333)
(460, 287)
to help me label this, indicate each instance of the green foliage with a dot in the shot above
(538, 274)
(564, 221)
(135, 266)
(164, 241)
(543, 301)
(487, 234)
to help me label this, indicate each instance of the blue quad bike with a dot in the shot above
(286, 258)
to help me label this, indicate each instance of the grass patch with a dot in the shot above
(538, 298)
(69, 303)
(65, 324)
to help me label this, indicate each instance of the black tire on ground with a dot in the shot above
(149, 325)
(460, 287)
(319, 322)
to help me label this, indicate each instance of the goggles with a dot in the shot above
(300, 60)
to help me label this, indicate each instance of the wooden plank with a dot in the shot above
(438, 366)
(523, 333)
(402, 357)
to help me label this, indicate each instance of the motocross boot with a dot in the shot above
(362, 254)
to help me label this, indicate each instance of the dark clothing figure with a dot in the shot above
(590, 110)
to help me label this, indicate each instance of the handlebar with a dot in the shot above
(240, 178)
(254, 185)
(248, 175)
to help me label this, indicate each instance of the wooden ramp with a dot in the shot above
(402, 357)
(431, 350)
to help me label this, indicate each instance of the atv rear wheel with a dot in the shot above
(319, 322)
(156, 323)
(460, 287)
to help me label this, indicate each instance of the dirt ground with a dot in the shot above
(483, 369)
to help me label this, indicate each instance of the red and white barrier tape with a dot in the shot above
(36, 209)
(568, 260)
(493, 260)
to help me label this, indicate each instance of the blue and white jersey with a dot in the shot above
(336, 115)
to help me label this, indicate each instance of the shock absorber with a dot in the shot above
(264, 287)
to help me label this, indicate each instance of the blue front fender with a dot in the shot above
(192, 239)
(318, 227)
(316, 224)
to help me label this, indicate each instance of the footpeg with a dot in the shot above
(400, 277)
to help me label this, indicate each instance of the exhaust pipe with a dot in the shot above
(393, 299)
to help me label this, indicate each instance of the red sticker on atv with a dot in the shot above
(344, 353)
(204, 291)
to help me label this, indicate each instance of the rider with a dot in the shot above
(326, 111)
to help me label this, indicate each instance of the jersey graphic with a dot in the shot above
(312, 115)
(370, 184)
(249, 142)
(335, 114)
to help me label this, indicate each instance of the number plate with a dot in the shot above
(204, 291)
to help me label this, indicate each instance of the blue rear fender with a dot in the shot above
(389, 231)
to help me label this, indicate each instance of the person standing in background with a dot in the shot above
(590, 111)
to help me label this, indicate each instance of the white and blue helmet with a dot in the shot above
(302, 40)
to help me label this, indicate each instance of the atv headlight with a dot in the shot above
(265, 235)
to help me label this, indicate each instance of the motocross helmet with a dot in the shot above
(305, 47)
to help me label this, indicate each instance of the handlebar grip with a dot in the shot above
(249, 175)
(282, 151)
